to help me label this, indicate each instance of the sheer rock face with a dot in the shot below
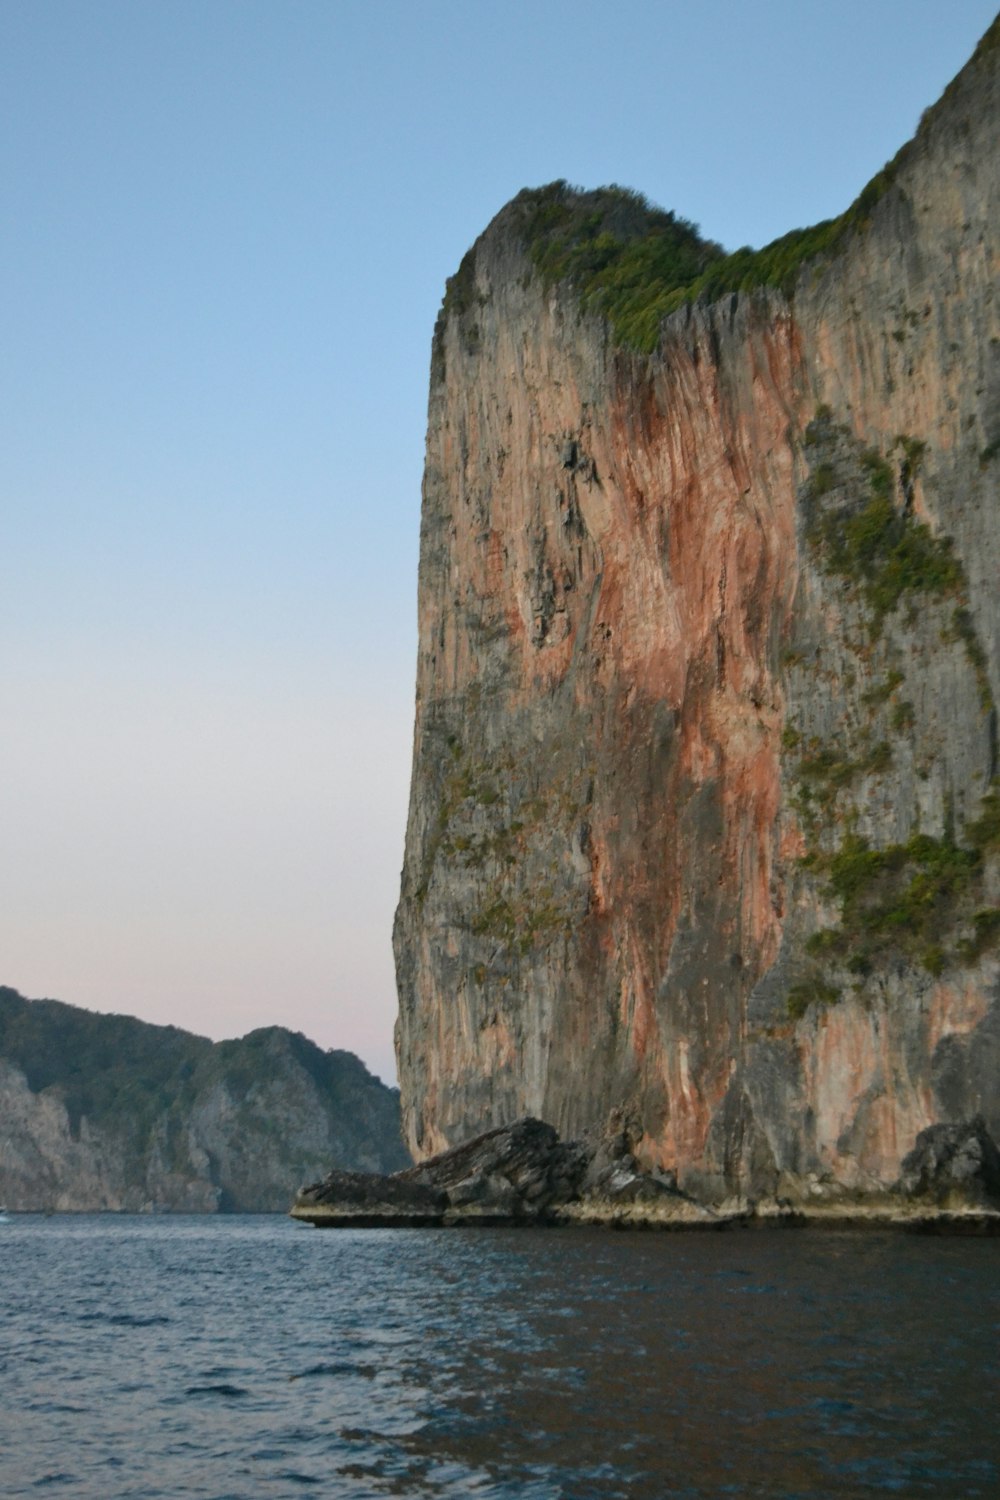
(637, 665)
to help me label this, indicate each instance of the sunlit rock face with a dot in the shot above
(702, 823)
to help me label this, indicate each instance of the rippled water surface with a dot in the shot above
(256, 1357)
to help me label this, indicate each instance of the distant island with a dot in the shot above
(108, 1113)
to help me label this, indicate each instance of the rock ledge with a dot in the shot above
(523, 1174)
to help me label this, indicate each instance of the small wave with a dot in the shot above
(223, 1389)
(831, 1406)
(124, 1320)
(366, 1372)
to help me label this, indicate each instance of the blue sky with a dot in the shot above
(225, 237)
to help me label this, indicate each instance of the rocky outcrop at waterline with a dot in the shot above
(953, 1166)
(107, 1113)
(704, 819)
(523, 1175)
(517, 1174)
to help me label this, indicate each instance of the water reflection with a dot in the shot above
(188, 1358)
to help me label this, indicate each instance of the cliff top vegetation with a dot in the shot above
(634, 263)
(636, 268)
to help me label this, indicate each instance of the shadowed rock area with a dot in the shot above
(954, 1165)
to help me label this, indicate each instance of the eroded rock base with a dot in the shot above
(523, 1174)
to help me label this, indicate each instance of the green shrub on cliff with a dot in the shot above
(635, 263)
(624, 257)
(879, 546)
(905, 900)
(884, 550)
(812, 991)
(984, 833)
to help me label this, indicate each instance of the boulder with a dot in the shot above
(953, 1166)
(614, 1174)
(365, 1200)
(486, 1196)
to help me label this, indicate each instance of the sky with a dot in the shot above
(226, 227)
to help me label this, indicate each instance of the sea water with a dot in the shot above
(243, 1357)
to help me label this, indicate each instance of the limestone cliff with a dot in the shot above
(704, 822)
(109, 1113)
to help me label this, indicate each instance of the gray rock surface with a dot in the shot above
(517, 1174)
(361, 1200)
(954, 1166)
(702, 797)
